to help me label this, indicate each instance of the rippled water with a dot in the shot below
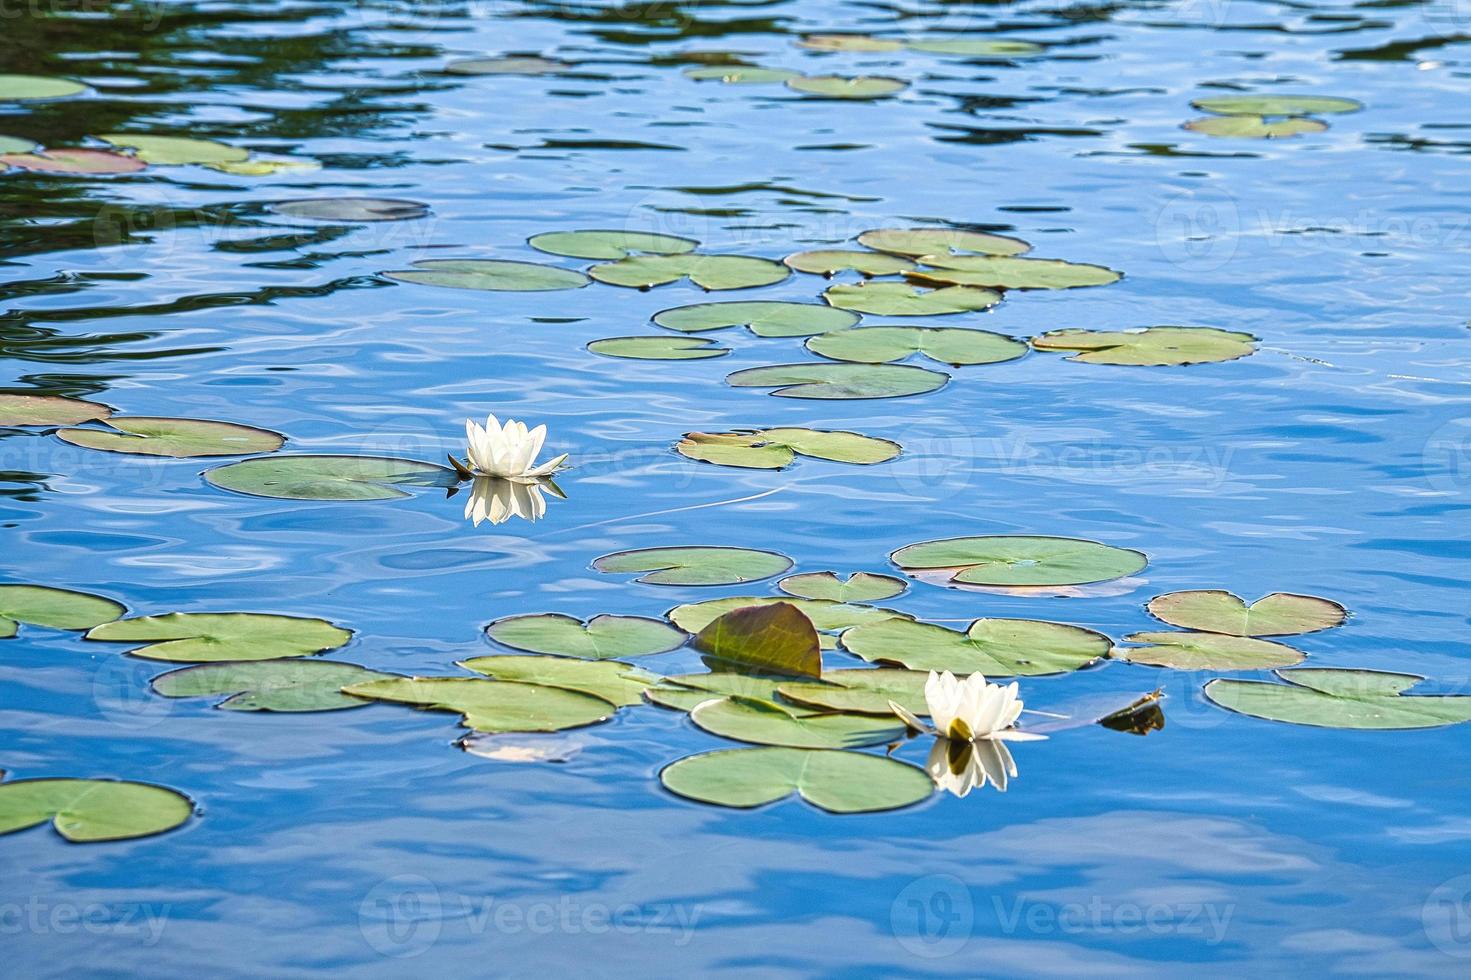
(1333, 462)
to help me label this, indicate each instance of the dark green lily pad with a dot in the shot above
(1019, 559)
(712, 272)
(17, 410)
(1000, 647)
(860, 586)
(768, 723)
(140, 435)
(37, 88)
(827, 262)
(87, 811)
(328, 477)
(270, 685)
(764, 318)
(847, 87)
(767, 639)
(614, 682)
(917, 242)
(1218, 611)
(848, 42)
(175, 150)
(1276, 105)
(214, 637)
(773, 449)
(1206, 651)
(506, 66)
(696, 565)
(907, 299)
(73, 160)
(974, 47)
(827, 616)
(840, 381)
(659, 347)
(352, 210)
(1331, 698)
(492, 706)
(862, 691)
(955, 346)
(1153, 346)
(839, 782)
(600, 244)
(493, 275)
(1010, 272)
(1255, 127)
(602, 638)
(740, 74)
(59, 609)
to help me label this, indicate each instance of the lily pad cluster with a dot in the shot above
(1267, 116)
(1221, 632)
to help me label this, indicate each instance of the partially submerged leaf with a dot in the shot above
(847, 87)
(602, 638)
(773, 449)
(493, 275)
(140, 435)
(1153, 346)
(492, 706)
(87, 811)
(1011, 272)
(1333, 698)
(1206, 651)
(269, 685)
(712, 272)
(1218, 611)
(956, 346)
(775, 638)
(1019, 559)
(695, 565)
(175, 150)
(768, 723)
(614, 682)
(917, 242)
(212, 637)
(60, 609)
(599, 244)
(1276, 105)
(659, 347)
(764, 318)
(840, 381)
(860, 586)
(1255, 127)
(999, 647)
(328, 477)
(827, 262)
(839, 782)
(906, 299)
(352, 210)
(18, 410)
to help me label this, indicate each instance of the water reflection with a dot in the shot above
(959, 767)
(496, 500)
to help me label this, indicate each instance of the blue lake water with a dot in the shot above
(1335, 461)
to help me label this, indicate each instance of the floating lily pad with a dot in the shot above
(610, 244)
(1255, 127)
(16, 144)
(685, 692)
(862, 691)
(768, 723)
(175, 150)
(917, 242)
(773, 449)
(826, 615)
(860, 586)
(352, 210)
(659, 348)
(906, 299)
(270, 685)
(764, 318)
(713, 272)
(328, 477)
(87, 811)
(265, 166)
(617, 683)
(1019, 559)
(845, 87)
(1207, 651)
(494, 275)
(839, 381)
(955, 346)
(827, 262)
(848, 42)
(1003, 647)
(506, 66)
(1153, 346)
(839, 782)
(36, 88)
(17, 410)
(970, 47)
(1217, 611)
(73, 160)
(769, 639)
(1010, 272)
(213, 637)
(1331, 698)
(492, 706)
(602, 638)
(177, 438)
(740, 74)
(60, 609)
(696, 565)
(1276, 105)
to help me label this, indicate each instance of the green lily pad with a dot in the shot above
(270, 685)
(73, 160)
(493, 275)
(764, 318)
(684, 692)
(17, 410)
(86, 811)
(918, 242)
(862, 691)
(1153, 346)
(860, 586)
(328, 477)
(769, 639)
(1218, 611)
(214, 637)
(659, 348)
(29, 88)
(352, 210)
(492, 706)
(826, 615)
(773, 449)
(1020, 559)
(906, 299)
(848, 42)
(1276, 105)
(17, 144)
(1255, 127)
(969, 47)
(768, 723)
(596, 244)
(614, 682)
(740, 74)
(955, 346)
(1010, 272)
(1331, 698)
(59, 609)
(839, 782)
(140, 435)
(1000, 647)
(1206, 651)
(265, 166)
(696, 565)
(175, 150)
(506, 66)
(602, 638)
(846, 87)
(840, 381)
(713, 272)
(827, 262)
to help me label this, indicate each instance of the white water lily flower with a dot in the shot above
(496, 500)
(959, 767)
(508, 451)
(969, 710)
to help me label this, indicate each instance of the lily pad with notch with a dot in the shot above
(603, 244)
(1021, 559)
(768, 723)
(847, 87)
(1333, 698)
(764, 318)
(1150, 347)
(618, 683)
(907, 299)
(490, 275)
(23, 410)
(774, 449)
(918, 242)
(140, 435)
(492, 706)
(1011, 272)
(835, 781)
(999, 647)
(840, 381)
(711, 272)
(828, 262)
(1255, 127)
(866, 691)
(956, 346)
(1218, 611)
(859, 587)
(329, 477)
(659, 347)
(88, 811)
(695, 565)
(58, 609)
(215, 637)
(1206, 651)
(270, 685)
(684, 692)
(600, 638)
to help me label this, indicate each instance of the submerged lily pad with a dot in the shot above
(1218, 611)
(769, 639)
(140, 435)
(1332, 698)
(86, 811)
(906, 299)
(740, 74)
(1003, 647)
(506, 66)
(764, 318)
(659, 347)
(917, 242)
(1276, 105)
(773, 449)
(839, 381)
(175, 150)
(73, 160)
(1010, 272)
(17, 410)
(974, 47)
(602, 638)
(846, 87)
(1255, 127)
(598, 244)
(494, 275)
(862, 691)
(839, 782)
(492, 706)
(60, 609)
(1153, 346)
(1206, 651)
(352, 210)
(328, 477)
(695, 565)
(712, 272)
(826, 615)
(616, 683)
(955, 346)
(848, 42)
(860, 586)
(270, 685)
(826, 262)
(1021, 559)
(36, 88)
(213, 637)
(768, 723)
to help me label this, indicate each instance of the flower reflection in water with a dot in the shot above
(496, 500)
(961, 766)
